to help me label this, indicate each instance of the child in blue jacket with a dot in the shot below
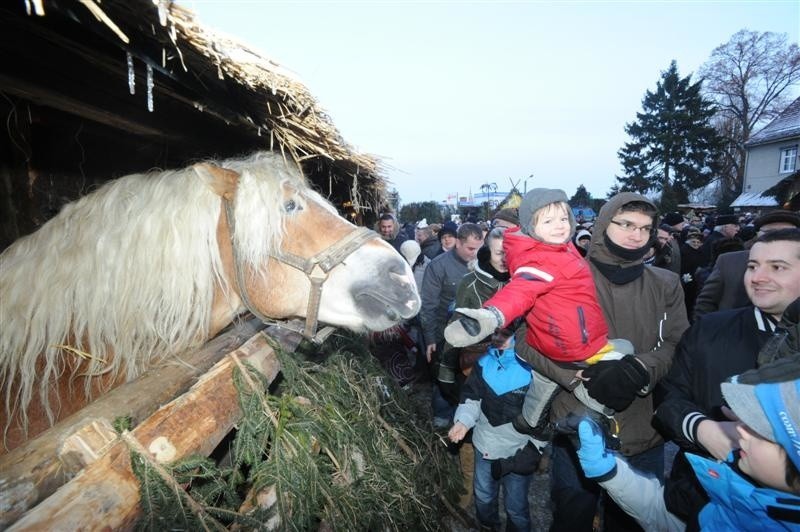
(491, 398)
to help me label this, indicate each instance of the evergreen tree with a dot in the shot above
(414, 212)
(673, 147)
(582, 198)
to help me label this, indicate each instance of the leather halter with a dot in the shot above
(315, 268)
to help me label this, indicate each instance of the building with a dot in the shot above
(772, 156)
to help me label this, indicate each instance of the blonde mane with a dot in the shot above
(127, 274)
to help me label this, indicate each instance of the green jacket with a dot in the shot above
(475, 287)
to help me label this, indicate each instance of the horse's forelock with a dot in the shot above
(258, 206)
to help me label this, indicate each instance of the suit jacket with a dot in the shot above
(724, 288)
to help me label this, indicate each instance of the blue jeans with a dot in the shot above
(515, 493)
(575, 497)
(441, 408)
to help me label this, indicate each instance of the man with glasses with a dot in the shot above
(643, 305)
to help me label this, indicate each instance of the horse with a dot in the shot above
(150, 266)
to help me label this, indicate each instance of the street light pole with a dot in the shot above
(525, 183)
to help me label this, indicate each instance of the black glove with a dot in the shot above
(524, 462)
(615, 383)
(451, 391)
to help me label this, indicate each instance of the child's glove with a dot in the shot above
(597, 462)
(477, 324)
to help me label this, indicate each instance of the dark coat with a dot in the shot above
(724, 287)
(431, 247)
(716, 347)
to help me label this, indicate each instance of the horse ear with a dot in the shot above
(222, 180)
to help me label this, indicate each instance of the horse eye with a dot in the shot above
(289, 206)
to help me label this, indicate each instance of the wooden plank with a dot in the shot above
(105, 494)
(33, 471)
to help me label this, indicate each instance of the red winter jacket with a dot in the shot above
(552, 285)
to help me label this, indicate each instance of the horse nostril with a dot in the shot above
(392, 314)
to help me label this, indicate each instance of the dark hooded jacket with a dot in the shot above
(647, 309)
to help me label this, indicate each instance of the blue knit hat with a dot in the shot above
(771, 409)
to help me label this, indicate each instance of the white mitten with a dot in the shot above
(487, 321)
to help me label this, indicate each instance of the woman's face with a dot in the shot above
(694, 242)
(497, 257)
(448, 242)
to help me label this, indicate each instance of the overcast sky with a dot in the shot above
(453, 95)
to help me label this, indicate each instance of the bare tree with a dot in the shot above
(749, 78)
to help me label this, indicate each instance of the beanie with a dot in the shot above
(448, 228)
(673, 218)
(535, 200)
(509, 215)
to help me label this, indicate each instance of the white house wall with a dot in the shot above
(762, 170)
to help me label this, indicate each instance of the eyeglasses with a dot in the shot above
(630, 228)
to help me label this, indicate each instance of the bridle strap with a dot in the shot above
(315, 268)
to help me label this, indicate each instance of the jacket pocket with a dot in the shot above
(582, 325)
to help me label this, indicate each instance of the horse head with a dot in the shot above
(151, 265)
(312, 263)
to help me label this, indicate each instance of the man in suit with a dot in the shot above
(724, 287)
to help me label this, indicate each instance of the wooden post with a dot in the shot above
(105, 494)
(33, 471)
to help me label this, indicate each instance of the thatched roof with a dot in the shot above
(196, 71)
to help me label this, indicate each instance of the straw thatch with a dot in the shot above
(212, 96)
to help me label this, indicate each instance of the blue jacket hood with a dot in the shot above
(503, 370)
(736, 504)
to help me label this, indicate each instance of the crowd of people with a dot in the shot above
(596, 342)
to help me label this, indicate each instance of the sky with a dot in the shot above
(455, 95)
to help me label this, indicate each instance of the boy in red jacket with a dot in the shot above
(552, 286)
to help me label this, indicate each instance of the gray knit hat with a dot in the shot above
(536, 199)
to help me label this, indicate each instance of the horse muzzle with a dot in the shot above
(388, 300)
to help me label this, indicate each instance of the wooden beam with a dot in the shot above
(57, 100)
(105, 495)
(33, 471)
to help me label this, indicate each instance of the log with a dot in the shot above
(105, 494)
(33, 471)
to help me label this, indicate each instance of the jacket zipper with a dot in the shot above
(582, 323)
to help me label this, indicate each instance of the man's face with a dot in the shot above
(386, 227)
(468, 249)
(630, 230)
(663, 238)
(729, 230)
(772, 278)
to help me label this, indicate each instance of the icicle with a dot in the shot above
(149, 88)
(131, 74)
(163, 6)
(37, 5)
